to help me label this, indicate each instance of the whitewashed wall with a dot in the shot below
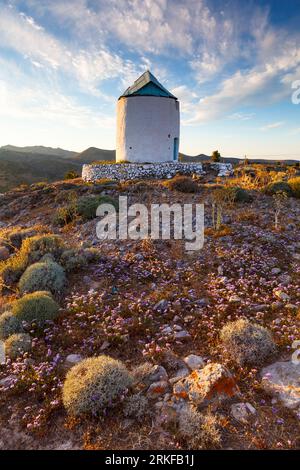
(146, 128)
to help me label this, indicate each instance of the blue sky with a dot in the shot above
(231, 63)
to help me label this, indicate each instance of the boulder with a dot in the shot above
(73, 359)
(282, 381)
(212, 384)
(157, 389)
(194, 362)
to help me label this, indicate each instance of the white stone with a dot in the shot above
(180, 374)
(73, 358)
(242, 411)
(276, 271)
(282, 380)
(194, 362)
(182, 335)
(6, 381)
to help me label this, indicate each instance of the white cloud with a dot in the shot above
(273, 125)
(295, 131)
(20, 99)
(187, 98)
(241, 116)
(265, 83)
(89, 66)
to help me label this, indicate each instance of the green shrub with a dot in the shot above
(64, 215)
(136, 406)
(216, 156)
(94, 384)
(184, 184)
(71, 174)
(84, 207)
(43, 276)
(31, 251)
(278, 187)
(91, 254)
(37, 306)
(239, 194)
(9, 325)
(14, 237)
(72, 260)
(199, 431)
(17, 345)
(247, 343)
(87, 205)
(295, 185)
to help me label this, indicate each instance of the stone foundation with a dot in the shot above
(132, 171)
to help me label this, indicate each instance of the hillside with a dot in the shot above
(26, 165)
(25, 168)
(203, 339)
(40, 150)
(93, 154)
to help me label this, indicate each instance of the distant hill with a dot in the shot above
(22, 167)
(234, 160)
(28, 165)
(93, 154)
(40, 150)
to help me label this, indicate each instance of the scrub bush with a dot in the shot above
(94, 384)
(87, 205)
(17, 344)
(247, 343)
(43, 276)
(72, 259)
(200, 431)
(9, 325)
(184, 184)
(38, 306)
(295, 185)
(279, 187)
(32, 250)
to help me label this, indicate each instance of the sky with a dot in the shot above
(232, 64)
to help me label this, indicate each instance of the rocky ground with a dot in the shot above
(160, 310)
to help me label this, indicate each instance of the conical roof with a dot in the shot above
(147, 85)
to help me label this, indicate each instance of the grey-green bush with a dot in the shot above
(87, 205)
(32, 250)
(247, 343)
(199, 431)
(240, 194)
(72, 260)
(136, 406)
(17, 345)
(279, 187)
(43, 276)
(9, 325)
(38, 306)
(94, 384)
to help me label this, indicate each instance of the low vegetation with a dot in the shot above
(247, 343)
(43, 276)
(110, 349)
(94, 384)
(17, 344)
(37, 306)
(184, 184)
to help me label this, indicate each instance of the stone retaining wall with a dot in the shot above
(131, 171)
